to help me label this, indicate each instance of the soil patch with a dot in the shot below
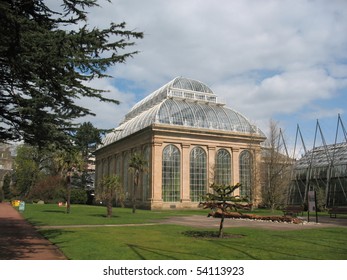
(209, 234)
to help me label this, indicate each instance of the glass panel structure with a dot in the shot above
(246, 163)
(223, 167)
(171, 177)
(324, 170)
(198, 174)
(182, 102)
(145, 175)
(195, 138)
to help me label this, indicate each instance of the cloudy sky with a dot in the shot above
(268, 59)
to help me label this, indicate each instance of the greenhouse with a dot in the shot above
(324, 170)
(189, 140)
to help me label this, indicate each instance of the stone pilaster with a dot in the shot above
(211, 161)
(185, 173)
(236, 168)
(156, 173)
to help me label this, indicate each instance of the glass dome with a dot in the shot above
(182, 102)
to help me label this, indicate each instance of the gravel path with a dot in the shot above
(19, 240)
(204, 222)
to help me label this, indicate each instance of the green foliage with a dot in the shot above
(48, 57)
(26, 170)
(321, 198)
(222, 193)
(137, 165)
(108, 190)
(49, 189)
(108, 187)
(7, 186)
(2, 196)
(222, 198)
(78, 196)
(37, 172)
(59, 162)
(87, 138)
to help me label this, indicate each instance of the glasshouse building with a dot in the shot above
(324, 170)
(188, 140)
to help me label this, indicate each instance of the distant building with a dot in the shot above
(91, 163)
(189, 140)
(6, 161)
(90, 179)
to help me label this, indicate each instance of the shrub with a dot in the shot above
(78, 196)
(6, 188)
(1, 195)
(50, 188)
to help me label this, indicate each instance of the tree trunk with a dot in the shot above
(109, 208)
(134, 201)
(136, 182)
(273, 206)
(68, 195)
(220, 234)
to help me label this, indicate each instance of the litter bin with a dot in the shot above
(21, 206)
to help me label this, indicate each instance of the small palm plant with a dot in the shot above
(137, 166)
(222, 201)
(108, 190)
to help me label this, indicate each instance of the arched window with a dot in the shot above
(198, 174)
(246, 164)
(223, 168)
(145, 175)
(171, 174)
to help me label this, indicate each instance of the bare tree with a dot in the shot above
(275, 168)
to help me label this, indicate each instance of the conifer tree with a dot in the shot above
(47, 59)
(221, 201)
(87, 138)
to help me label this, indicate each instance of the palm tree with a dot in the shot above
(65, 163)
(137, 165)
(108, 190)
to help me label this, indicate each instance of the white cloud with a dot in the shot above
(263, 57)
(323, 112)
(281, 93)
(108, 115)
(338, 71)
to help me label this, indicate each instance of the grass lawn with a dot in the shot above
(172, 241)
(52, 215)
(168, 242)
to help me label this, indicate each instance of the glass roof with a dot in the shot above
(323, 156)
(178, 87)
(182, 102)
